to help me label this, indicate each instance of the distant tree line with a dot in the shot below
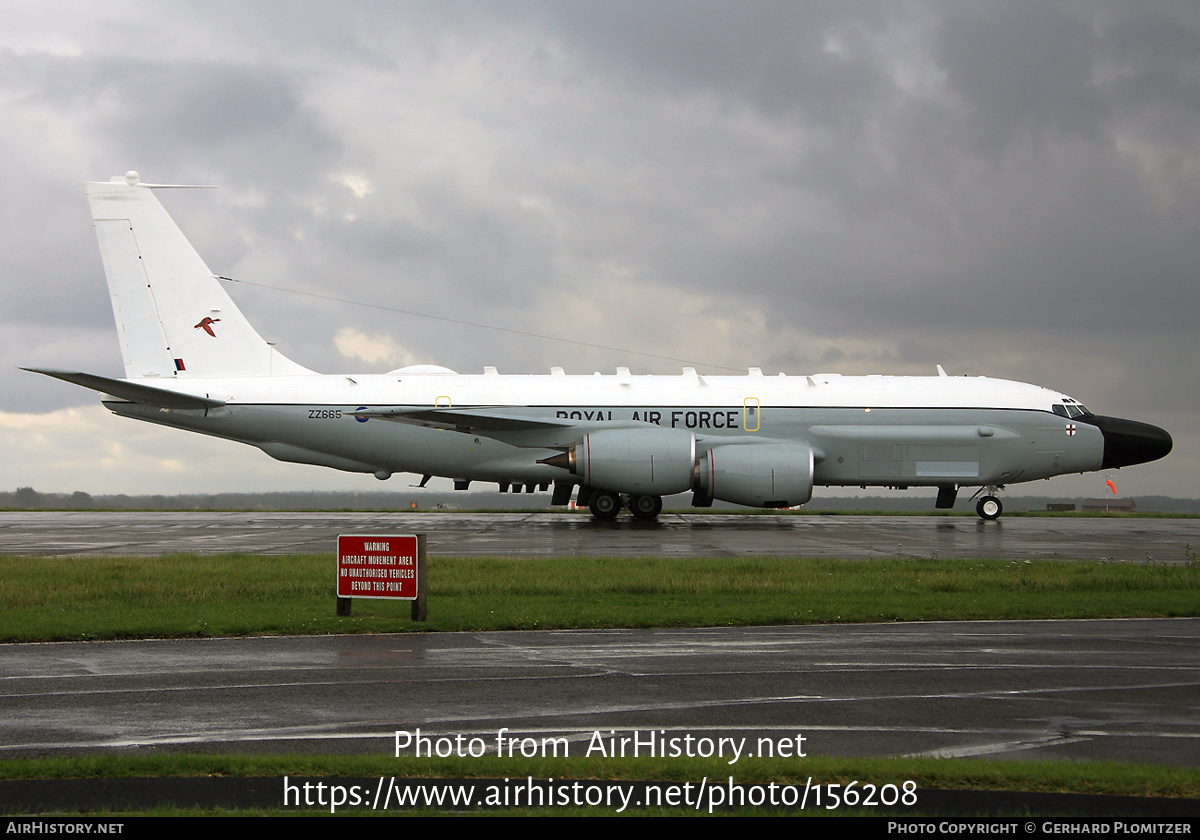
(27, 498)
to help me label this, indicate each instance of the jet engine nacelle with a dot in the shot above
(757, 474)
(649, 461)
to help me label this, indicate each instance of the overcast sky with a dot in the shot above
(1003, 188)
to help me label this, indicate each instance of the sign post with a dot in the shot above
(386, 566)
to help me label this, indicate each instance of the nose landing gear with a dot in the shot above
(989, 507)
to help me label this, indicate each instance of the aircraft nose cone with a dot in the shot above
(1129, 442)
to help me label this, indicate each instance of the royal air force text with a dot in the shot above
(682, 418)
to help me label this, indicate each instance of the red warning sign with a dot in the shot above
(377, 567)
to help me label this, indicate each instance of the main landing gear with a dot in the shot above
(645, 507)
(605, 505)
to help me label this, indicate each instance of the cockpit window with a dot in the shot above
(1071, 408)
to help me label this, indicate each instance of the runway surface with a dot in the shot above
(556, 534)
(1120, 690)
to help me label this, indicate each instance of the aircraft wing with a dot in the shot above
(132, 391)
(506, 427)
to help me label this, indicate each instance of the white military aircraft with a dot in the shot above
(193, 361)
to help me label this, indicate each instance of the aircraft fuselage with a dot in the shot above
(864, 431)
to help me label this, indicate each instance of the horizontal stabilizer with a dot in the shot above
(131, 391)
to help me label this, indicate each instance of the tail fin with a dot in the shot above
(173, 317)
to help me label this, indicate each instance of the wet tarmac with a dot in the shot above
(1123, 690)
(58, 533)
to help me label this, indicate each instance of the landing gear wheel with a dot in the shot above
(989, 507)
(645, 507)
(605, 505)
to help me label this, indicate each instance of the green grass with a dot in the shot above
(1099, 778)
(1109, 778)
(63, 599)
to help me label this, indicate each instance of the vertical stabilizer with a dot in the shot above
(173, 317)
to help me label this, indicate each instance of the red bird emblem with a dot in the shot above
(206, 325)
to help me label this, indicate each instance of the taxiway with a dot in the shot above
(65, 533)
(1117, 690)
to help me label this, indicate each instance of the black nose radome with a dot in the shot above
(1129, 442)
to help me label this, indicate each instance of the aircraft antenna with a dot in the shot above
(460, 322)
